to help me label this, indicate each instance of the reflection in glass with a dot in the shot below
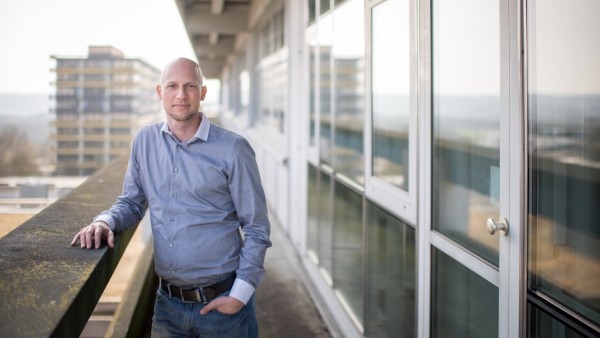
(273, 86)
(391, 275)
(312, 88)
(273, 72)
(325, 109)
(390, 68)
(313, 202)
(564, 153)
(325, 254)
(244, 81)
(466, 122)
(542, 325)
(325, 5)
(462, 303)
(348, 60)
(347, 248)
(311, 11)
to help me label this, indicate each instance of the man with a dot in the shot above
(201, 185)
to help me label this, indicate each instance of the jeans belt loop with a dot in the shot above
(168, 287)
(198, 293)
(203, 297)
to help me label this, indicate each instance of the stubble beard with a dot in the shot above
(184, 118)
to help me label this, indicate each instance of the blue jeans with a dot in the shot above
(174, 318)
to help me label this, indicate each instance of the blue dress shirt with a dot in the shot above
(200, 193)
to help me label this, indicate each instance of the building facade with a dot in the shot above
(101, 101)
(436, 164)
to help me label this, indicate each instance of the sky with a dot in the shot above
(31, 31)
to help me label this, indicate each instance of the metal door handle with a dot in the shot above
(500, 225)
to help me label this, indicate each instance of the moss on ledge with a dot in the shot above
(49, 288)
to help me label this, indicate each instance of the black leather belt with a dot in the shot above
(198, 295)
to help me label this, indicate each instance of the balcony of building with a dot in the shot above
(51, 289)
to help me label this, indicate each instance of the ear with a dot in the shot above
(158, 91)
(203, 94)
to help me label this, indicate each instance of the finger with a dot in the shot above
(111, 239)
(208, 308)
(75, 239)
(89, 234)
(97, 237)
(82, 237)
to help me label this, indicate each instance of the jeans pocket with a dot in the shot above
(217, 324)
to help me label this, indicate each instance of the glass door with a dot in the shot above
(563, 110)
(471, 215)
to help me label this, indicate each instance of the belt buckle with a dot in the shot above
(196, 293)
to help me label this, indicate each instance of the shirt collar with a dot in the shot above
(201, 133)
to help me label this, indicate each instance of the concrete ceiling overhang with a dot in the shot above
(213, 27)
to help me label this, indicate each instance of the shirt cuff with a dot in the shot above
(241, 291)
(106, 219)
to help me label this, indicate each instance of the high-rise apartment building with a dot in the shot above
(101, 101)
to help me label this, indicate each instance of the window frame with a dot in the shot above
(399, 202)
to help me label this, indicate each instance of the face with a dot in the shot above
(180, 90)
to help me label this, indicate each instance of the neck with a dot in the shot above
(184, 130)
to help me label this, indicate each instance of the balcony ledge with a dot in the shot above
(49, 288)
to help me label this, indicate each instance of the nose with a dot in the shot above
(181, 93)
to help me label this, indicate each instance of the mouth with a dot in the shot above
(181, 105)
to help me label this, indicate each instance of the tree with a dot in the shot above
(17, 154)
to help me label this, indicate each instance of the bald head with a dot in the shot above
(178, 64)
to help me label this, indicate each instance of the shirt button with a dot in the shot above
(174, 194)
(176, 170)
(173, 271)
(171, 219)
(170, 245)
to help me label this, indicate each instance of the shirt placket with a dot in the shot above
(174, 193)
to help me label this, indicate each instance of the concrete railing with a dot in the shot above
(47, 287)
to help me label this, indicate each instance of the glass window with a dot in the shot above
(542, 325)
(67, 144)
(462, 303)
(325, 5)
(93, 144)
(325, 224)
(466, 122)
(313, 71)
(347, 249)
(390, 69)
(311, 11)
(325, 88)
(120, 131)
(93, 131)
(564, 153)
(391, 303)
(67, 158)
(273, 72)
(313, 201)
(244, 81)
(348, 65)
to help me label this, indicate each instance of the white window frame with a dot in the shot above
(399, 202)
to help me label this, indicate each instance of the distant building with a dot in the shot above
(101, 101)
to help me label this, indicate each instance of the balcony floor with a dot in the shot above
(284, 305)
